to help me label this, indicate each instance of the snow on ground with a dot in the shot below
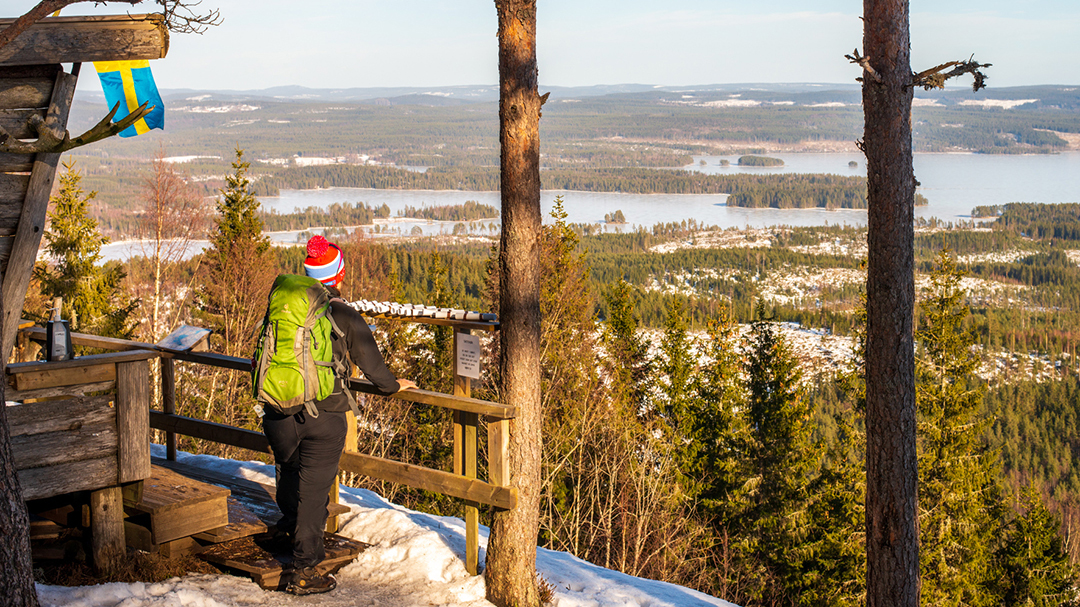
(719, 239)
(415, 559)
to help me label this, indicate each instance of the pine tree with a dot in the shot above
(959, 502)
(93, 298)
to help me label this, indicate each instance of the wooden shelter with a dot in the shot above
(35, 96)
(93, 443)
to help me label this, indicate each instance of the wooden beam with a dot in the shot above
(24, 250)
(499, 452)
(89, 439)
(211, 431)
(51, 378)
(76, 390)
(425, 397)
(456, 403)
(27, 86)
(133, 420)
(85, 475)
(107, 529)
(58, 415)
(81, 361)
(438, 481)
(168, 402)
(86, 39)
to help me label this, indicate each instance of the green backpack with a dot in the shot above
(294, 361)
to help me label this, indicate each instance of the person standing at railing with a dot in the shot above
(306, 448)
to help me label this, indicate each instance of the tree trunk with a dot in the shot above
(16, 575)
(892, 540)
(511, 554)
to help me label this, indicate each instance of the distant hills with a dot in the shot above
(720, 95)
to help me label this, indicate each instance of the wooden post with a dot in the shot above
(107, 529)
(351, 444)
(465, 424)
(133, 420)
(168, 403)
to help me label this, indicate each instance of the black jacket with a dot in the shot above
(361, 347)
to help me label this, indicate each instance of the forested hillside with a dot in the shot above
(702, 387)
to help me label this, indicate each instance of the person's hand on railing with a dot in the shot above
(406, 384)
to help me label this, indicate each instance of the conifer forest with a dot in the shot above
(703, 388)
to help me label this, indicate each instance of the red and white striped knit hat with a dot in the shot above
(324, 262)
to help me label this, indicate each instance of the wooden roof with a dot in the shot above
(32, 81)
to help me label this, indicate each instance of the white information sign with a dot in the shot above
(468, 355)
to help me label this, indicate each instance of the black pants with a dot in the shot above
(306, 453)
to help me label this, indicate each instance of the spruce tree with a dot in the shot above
(93, 298)
(1033, 566)
(959, 501)
(781, 459)
(623, 344)
(237, 271)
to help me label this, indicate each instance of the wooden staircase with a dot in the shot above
(225, 520)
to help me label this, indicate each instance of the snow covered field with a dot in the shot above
(415, 559)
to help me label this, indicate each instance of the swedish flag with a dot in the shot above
(131, 84)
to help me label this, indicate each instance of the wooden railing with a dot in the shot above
(461, 483)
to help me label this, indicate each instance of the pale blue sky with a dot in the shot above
(360, 43)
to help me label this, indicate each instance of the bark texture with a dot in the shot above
(892, 542)
(16, 575)
(510, 569)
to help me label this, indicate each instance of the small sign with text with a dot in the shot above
(468, 356)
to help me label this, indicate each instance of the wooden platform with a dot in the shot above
(253, 502)
(259, 557)
(173, 506)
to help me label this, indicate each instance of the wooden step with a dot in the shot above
(173, 506)
(254, 504)
(262, 559)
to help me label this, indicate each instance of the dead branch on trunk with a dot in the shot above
(863, 62)
(935, 77)
(51, 141)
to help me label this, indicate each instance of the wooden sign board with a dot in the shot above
(467, 351)
(186, 338)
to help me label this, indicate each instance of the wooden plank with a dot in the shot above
(427, 479)
(107, 529)
(28, 91)
(499, 452)
(258, 498)
(179, 506)
(139, 537)
(12, 192)
(17, 124)
(242, 523)
(168, 402)
(133, 420)
(86, 39)
(67, 415)
(31, 224)
(50, 378)
(6, 242)
(16, 163)
(88, 441)
(167, 491)
(81, 361)
(38, 483)
(219, 433)
(77, 390)
(456, 403)
(263, 561)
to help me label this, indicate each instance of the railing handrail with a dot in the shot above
(215, 359)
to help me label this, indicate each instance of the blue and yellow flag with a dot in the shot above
(131, 84)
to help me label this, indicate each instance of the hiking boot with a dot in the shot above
(308, 581)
